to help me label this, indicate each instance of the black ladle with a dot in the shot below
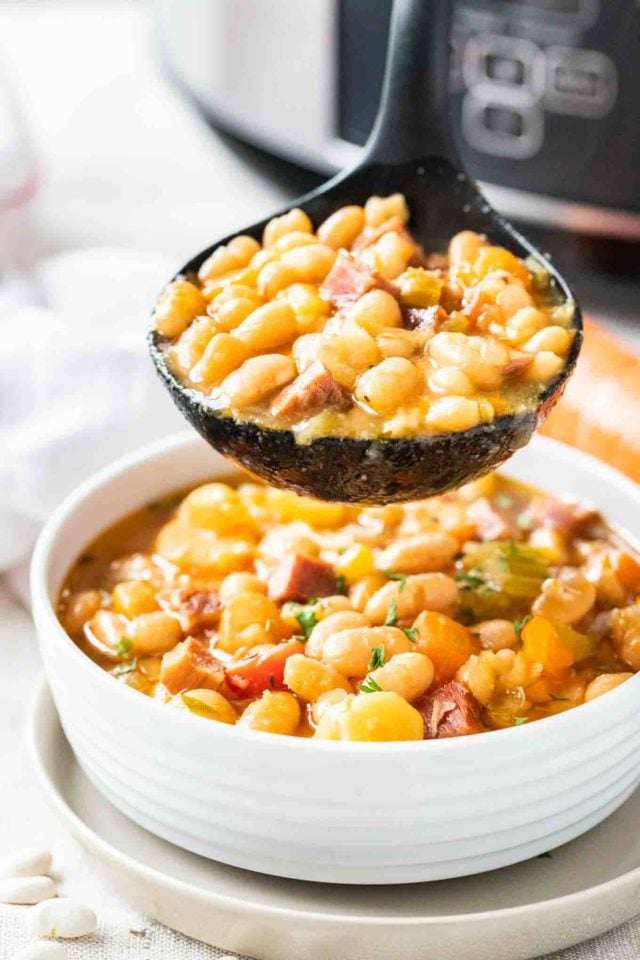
(410, 151)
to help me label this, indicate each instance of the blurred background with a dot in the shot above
(132, 134)
(118, 107)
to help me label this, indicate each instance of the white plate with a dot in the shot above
(586, 887)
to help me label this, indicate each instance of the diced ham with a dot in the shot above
(300, 578)
(195, 609)
(517, 364)
(424, 318)
(436, 261)
(450, 711)
(262, 669)
(191, 666)
(309, 393)
(349, 279)
(493, 522)
(564, 516)
(371, 235)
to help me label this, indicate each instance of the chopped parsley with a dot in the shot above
(392, 615)
(304, 614)
(560, 699)
(518, 721)
(377, 658)
(124, 668)
(470, 581)
(519, 625)
(400, 577)
(341, 584)
(307, 620)
(124, 648)
(370, 686)
(392, 621)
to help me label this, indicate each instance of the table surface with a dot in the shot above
(124, 161)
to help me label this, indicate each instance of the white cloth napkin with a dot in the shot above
(77, 388)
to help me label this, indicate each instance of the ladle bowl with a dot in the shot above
(410, 151)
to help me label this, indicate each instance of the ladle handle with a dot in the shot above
(413, 117)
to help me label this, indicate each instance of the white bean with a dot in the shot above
(42, 951)
(62, 919)
(28, 862)
(27, 890)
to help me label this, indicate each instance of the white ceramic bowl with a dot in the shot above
(338, 812)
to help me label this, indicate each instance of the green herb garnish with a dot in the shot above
(125, 668)
(377, 658)
(519, 625)
(518, 721)
(400, 577)
(392, 615)
(410, 634)
(370, 686)
(307, 620)
(470, 581)
(124, 647)
(341, 584)
(304, 614)
(560, 699)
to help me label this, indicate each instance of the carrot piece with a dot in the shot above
(600, 410)
(447, 643)
(541, 643)
(627, 570)
(497, 258)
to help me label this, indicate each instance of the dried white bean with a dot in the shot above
(29, 862)
(62, 919)
(42, 951)
(26, 890)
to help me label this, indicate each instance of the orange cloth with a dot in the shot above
(600, 410)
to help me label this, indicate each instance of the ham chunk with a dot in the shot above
(191, 666)
(564, 516)
(493, 522)
(195, 609)
(371, 235)
(301, 578)
(424, 318)
(517, 364)
(310, 393)
(349, 279)
(450, 711)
